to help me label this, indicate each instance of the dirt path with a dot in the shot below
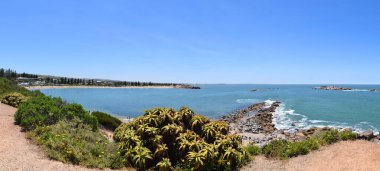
(16, 153)
(348, 155)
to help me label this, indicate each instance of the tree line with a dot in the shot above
(51, 80)
(12, 74)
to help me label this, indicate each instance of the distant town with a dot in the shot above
(30, 80)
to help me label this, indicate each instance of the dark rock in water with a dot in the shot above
(332, 88)
(253, 90)
(187, 86)
(256, 118)
(235, 116)
(367, 135)
(342, 88)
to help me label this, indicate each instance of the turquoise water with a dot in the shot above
(301, 105)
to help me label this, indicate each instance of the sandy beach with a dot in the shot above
(63, 87)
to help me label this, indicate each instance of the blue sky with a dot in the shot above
(198, 41)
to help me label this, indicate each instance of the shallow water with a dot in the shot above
(301, 105)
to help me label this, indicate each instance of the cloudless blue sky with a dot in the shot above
(197, 41)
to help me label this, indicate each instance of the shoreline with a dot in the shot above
(255, 124)
(110, 87)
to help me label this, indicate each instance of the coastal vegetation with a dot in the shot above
(10, 86)
(253, 150)
(14, 99)
(106, 120)
(283, 149)
(66, 132)
(164, 139)
(44, 111)
(75, 142)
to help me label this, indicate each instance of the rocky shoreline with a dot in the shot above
(341, 88)
(255, 124)
(256, 118)
(333, 88)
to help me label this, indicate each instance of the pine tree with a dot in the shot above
(2, 72)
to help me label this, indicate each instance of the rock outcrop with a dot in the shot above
(366, 135)
(342, 88)
(256, 118)
(186, 86)
(254, 123)
(333, 88)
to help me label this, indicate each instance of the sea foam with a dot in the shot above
(247, 101)
(284, 118)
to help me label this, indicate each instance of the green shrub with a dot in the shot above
(8, 86)
(348, 135)
(164, 139)
(44, 110)
(328, 137)
(253, 150)
(69, 111)
(276, 149)
(75, 142)
(197, 122)
(13, 99)
(282, 149)
(297, 148)
(107, 120)
(312, 144)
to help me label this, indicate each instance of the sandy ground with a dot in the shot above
(17, 153)
(348, 155)
(63, 87)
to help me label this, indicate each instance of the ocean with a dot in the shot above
(302, 106)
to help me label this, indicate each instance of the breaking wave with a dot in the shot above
(250, 101)
(284, 118)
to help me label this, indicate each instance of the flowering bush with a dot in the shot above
(13, 99)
